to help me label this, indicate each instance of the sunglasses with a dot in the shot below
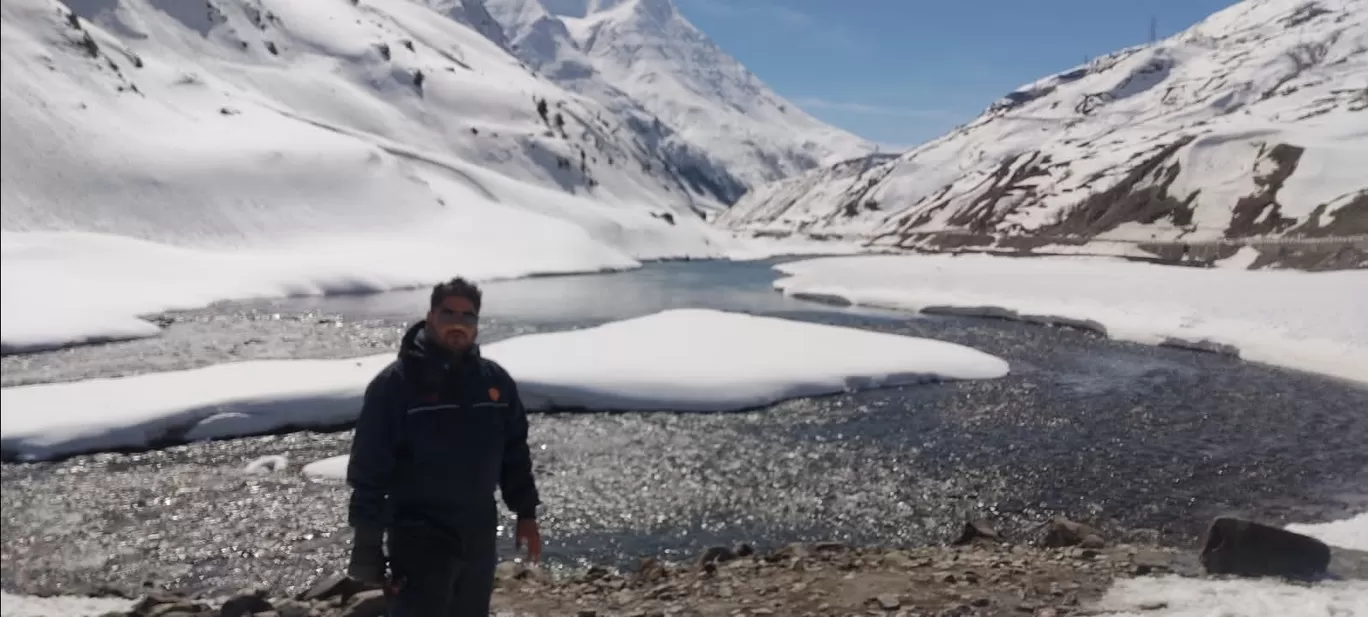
(448, 317)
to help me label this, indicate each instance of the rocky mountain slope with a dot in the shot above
(1251, 123)
(643, 58)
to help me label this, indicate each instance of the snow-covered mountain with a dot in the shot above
(643, 58)
(243, 122)
(162, 154)
(1252, 123)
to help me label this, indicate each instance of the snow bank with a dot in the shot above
(61, 288)
(12, 605)
(334, 467)
(1172, 596)
(705, 360)
(680, 360)
(1306, 321)
(1351, 533)
(762, 247)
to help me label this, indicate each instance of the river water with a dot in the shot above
(1128, 436)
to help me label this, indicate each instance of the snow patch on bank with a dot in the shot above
(12, 605)
(334, 467)
(1173, 596)
(1351, 533)
(662, 361)
(1306, 321)
(705, 360)
(62, 288)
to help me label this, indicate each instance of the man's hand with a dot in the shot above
(527, 532)
(367, 563)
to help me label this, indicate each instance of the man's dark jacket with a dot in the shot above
(436, 436)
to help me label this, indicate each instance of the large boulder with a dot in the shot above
(1245, 548)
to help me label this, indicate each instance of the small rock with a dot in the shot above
(1150, 562)
(978, 529)
(1143, 536)
(177, 609)
(370, 603)
(650, 570)
(246, 602)
(831, 547)
(154, 599)
(1093, 541)
(596, 572)
(888, 601)
(509, 571)
(716, 554)
(338, 585)
(897, 559)
(745, 550)
(267, 464)
(292, 608)
(1061, 532)
(1047, 612)
(587, 612)
(792, 551)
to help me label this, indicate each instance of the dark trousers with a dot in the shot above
(442, 569)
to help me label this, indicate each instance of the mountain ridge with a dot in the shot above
(708, 104)
(1250, 123)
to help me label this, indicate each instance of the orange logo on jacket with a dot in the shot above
(494, 394)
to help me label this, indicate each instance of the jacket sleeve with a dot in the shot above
(516, 483)
(370, 469)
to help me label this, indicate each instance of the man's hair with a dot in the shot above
(456, 288)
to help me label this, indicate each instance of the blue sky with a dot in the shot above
(900, 72)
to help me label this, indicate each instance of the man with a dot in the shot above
(439, 430)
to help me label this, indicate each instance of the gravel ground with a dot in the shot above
(1118, 434)
(988, 579)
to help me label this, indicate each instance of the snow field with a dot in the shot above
(1305, 321)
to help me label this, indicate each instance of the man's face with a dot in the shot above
(455, 323)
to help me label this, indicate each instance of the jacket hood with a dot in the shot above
(416, 348)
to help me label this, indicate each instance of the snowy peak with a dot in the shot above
(474, 14)
(1251, 123)
(712, 111)
(657, 11)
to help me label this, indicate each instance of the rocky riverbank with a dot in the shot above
(979, 577)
